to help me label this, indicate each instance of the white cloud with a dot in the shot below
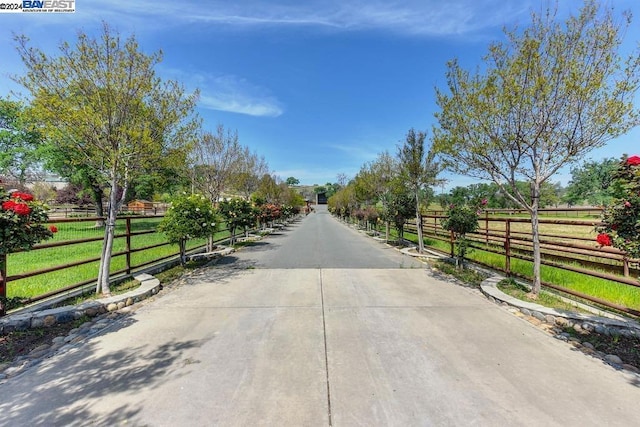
(230, 93)
(411, 17)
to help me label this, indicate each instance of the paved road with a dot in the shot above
(300, 332)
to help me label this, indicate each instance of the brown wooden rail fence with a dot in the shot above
(128, 228)
(566, 244)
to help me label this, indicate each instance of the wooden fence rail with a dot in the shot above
(126, 234)
(572, 248)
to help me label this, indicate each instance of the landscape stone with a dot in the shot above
(38, 354)
(612, 358)
(538, 315)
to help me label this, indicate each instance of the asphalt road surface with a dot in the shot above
(318, 326)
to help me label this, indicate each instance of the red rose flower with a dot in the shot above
(25, 197)
(604, 239)
(21, 208)
(8, 205)
(633, 161)
(53, 228)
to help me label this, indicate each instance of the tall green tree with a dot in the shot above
(107, 105)
(292, 180)
(545, 98)
(374, 184)
(418, 170)
(591, 181)
(19, 142)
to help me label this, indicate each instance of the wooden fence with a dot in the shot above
(566, 244)
(128, 229)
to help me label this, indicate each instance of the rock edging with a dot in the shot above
(149, 286)
(582, 323)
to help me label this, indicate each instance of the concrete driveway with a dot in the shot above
(276, 338)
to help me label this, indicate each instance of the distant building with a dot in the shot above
(140, 207)
(321, 198)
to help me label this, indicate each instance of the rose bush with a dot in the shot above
(238, 213)
(190, 216)
(621, 219)
(21, 222)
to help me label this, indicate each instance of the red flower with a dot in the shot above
(627, 204)
(633, 161)
(53, 228)
(8, 205)
(25, 197)
(483, 202)
(21, 208)
(604, 239)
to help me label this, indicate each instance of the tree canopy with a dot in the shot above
(545, 98)
(107, 107)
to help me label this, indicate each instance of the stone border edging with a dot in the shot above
(149, 286)
(563, 318)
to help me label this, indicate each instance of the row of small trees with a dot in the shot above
(195, 216)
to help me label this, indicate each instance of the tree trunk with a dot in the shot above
(183, 251)
(109, 234)
(535, 232)
(97, 194)
(105, 258)
(387, 230)
(419, 222)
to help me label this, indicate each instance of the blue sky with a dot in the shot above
(317, 87)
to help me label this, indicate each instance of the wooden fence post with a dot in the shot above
(3, 283)
(486, 227)
(625, 263)
(507, 246)
(128, 244)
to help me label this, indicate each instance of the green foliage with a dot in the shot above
(621, 218)
(189, 217)
(21, 222)
(592, 181)
(418, 171)
(461, 219)
(399, 207)
(292, 181)
(238, 213)
(19, 142)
